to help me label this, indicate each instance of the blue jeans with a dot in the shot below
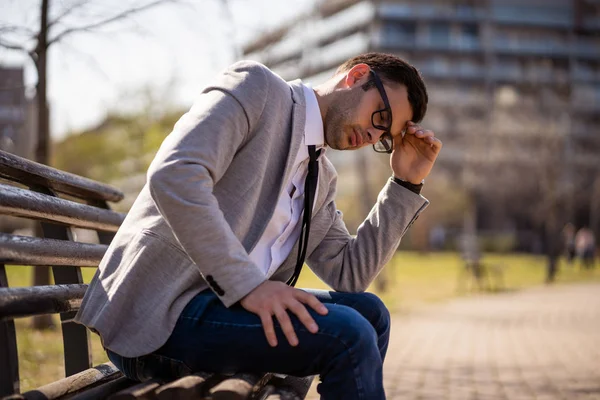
(347, 351)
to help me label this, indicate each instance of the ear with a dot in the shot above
(357, 75)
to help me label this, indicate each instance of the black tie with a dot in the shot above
(310, 188)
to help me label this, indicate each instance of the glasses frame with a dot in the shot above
(386, 135)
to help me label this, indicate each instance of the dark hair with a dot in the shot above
(393, 69)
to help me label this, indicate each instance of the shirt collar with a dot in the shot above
(313, 129)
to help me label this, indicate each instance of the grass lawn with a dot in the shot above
(412, 278)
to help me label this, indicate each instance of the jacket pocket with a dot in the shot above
(143, 257)
(165, 241)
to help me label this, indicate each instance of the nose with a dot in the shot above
(373, 135)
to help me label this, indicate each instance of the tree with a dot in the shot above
(36, 45)
(534, 170)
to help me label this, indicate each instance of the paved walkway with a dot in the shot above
(541, 343)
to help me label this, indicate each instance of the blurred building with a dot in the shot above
(16, 133)
(514, 84)
(16, 112)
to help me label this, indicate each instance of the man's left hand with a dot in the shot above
(414, 154)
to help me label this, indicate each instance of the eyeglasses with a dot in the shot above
(382, 120)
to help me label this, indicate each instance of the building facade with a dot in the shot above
(514, 84)
(15, 123)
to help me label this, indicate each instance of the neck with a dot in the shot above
(325, 94)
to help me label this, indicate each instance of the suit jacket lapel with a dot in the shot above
(298, 125)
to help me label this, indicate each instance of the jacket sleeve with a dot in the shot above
(192, 158)
(350, 264)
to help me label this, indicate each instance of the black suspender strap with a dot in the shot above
(310, 188)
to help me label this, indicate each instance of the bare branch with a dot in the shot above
(16, 30)
(13, 46)
(107, 21)
(68, 11)
(87, 59)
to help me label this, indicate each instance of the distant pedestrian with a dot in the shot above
(568, 234)
(585, 247)
(437, 238)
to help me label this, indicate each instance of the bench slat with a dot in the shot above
(104, 390)
(271, 392)
(144, 390)
(25, 203)
(9, 359)
(36, 300)
(188, 387)
(26, 250)
(297, 385)
(238, 387)
(76, 339)
(288, 388)
(75, 383)
(30, 173)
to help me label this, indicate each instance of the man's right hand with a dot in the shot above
(275, 298)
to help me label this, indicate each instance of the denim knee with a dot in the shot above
(375, 311)
(352, 361)
(352, 330)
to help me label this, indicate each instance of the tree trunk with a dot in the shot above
(595, 206)
(553, 243)
(41, 274)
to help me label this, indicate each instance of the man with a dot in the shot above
(222, 210)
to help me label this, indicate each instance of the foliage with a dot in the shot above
(120, 146)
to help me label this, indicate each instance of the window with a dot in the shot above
(439, 34)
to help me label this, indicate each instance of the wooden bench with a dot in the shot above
(61, 201)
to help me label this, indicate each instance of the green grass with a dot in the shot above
(40, 353)
(413, 279)
(420, 278)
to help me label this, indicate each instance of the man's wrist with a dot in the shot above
(415, 188)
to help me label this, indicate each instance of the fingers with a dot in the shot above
(296, 306)
(434, 142)
(300, 311)
(312, 301)
(425, 134)
(286, 325)
(418, 131)
(267, 322)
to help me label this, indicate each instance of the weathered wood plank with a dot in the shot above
(104, 390)
(238, 387)
(274, 393)
(25, 203)
(29, 173)
(76, 340)
(288, 388)
(189, 387)
(26, 250)
(9, 359)
(142, 391)
(28, 301)
(76, 383)
(298, 385)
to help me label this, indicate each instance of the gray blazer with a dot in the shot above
(210, 192)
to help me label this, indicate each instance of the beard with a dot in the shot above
(338, 120)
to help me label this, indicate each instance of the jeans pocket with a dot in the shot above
(155, 366)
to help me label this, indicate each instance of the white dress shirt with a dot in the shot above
(283, 230)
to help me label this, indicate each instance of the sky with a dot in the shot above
(171, 51)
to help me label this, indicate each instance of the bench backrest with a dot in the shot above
(59, 201)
